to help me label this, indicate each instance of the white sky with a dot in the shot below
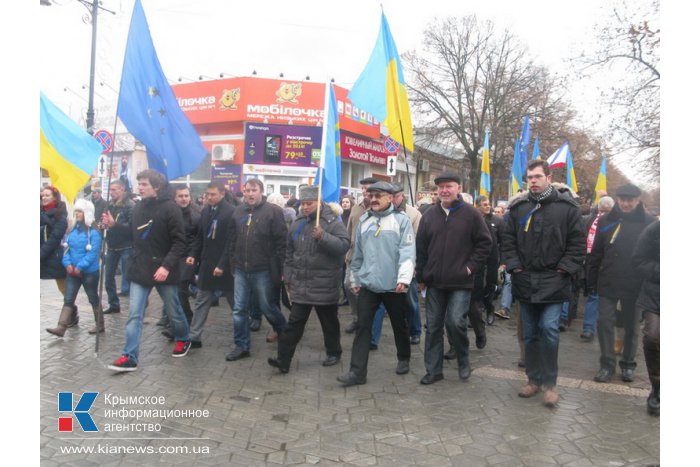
(317, 38)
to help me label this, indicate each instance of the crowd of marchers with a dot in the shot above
(264, 253)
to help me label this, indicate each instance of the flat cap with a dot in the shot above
(367, 180)
(308, 193)
(381, 186)
(629, 191)
(398, 187)
(448, 177)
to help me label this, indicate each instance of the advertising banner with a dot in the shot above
(358, 148)
(229, 175)
(284, 145)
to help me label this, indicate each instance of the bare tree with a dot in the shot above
(628, 48)
(468, 78)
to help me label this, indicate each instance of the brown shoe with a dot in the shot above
(272, 337)
(529, 390)
(551, 397)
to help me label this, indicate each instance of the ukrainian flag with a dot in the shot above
(570, 175)
(66, 151)
(516, 171)
(381, 89)
(485, 185)
(328, 173)
(602, 183)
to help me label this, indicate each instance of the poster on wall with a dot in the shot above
(229, 175)
(283, 145)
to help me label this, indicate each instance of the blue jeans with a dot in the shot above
(541, 333)
(506, 294)
(259, 285)
(446, 309)
(89, 281)
(590, 316)
(137, 306)
(112, 259)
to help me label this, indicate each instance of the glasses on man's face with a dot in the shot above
(376, 195)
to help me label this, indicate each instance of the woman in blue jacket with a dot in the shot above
(82, 264)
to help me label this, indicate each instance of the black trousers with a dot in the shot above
(651, 343)
(328, 316)
(397, 307)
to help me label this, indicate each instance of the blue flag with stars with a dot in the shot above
(149, 109)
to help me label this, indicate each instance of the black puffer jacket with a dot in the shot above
(554, 240)
(611, 269)
(119, 235)
(159, 239)
(53, 226)
(257, 239)
(447, 245)
(209, 247)
(314, 268)
(647, 259)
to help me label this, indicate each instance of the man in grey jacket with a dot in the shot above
(381, 271)
(312, 269)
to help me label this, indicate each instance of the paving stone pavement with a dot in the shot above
(258, 416)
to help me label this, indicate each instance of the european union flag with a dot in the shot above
(149, 109)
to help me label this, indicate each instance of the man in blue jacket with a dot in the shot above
(380, 272)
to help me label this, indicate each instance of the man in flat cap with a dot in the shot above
(614, 277)
(313, 268)
(452, 243)
(357, 211)
(380, 272)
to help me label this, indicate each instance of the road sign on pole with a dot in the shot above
(391, 165)
(104, 137)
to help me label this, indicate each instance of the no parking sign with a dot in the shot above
(104, 137)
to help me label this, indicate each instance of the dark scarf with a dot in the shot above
(541, 196)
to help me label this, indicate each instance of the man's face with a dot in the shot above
(434, 196)
(213, 196)
(398, 198)
(183, 197)
(96, 195)
(448, 192)
(537, 181)
(116, 191)
(498, 210)
(365, 197)
(146, 190)
(379, 200)
(252, 194)
(125, 162)
(485, 207)
(308, 207)
(627, 203)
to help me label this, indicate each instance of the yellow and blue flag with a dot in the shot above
(328, 174)
(516, 173)
(601, 185)
(66, 151)
(381, 89)
(485, 185)
(570, 175)
(149, 109)
(536, 149)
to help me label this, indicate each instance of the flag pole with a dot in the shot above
(405, 159)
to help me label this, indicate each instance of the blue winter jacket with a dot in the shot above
(76, 253)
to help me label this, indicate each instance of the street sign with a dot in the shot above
(104, 137)
(391, 145)
(391, 165)
(102, 167)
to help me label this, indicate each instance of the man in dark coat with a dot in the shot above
(256, 249)
(452, 244)
(647, 259)
(313, 268)
(208, 249)
(614, 277)
(99, 202)
(159, 244)
(487, 277)
(544, 244)
(119, 244)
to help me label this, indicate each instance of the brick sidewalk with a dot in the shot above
(258, 416)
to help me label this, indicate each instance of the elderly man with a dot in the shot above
(614, 278)
(381, 270)
(452, 244)
(312, 270)
(543, 246)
